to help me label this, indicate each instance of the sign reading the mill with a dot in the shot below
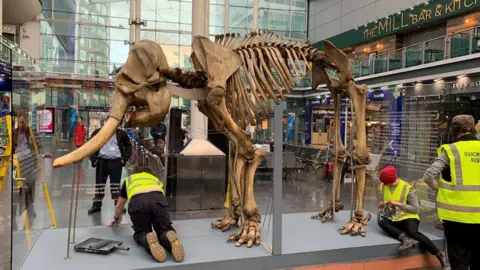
(418, 16)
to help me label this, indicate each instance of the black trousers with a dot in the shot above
(463, 246)
(147, 211)
(409, 227)
(107, 168)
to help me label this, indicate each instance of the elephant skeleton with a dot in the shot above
(270, 64)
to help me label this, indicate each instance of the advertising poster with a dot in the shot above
(291, 127)
(45, 120)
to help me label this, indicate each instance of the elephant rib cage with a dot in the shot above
(271, 65)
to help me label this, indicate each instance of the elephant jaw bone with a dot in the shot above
(91, 146)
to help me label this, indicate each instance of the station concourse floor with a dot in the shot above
(302, 196)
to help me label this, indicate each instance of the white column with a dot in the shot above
(1, 18)
(200, 24)
(138, 11)
(132, 26)
(255, 15)
(227, 8)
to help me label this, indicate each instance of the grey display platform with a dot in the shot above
(305, 242)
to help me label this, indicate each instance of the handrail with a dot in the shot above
(17, 50)
(432, 50)
(426, 41)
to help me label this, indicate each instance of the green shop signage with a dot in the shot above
(434, 11)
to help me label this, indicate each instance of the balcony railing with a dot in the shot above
(446, 47)
(19, 56)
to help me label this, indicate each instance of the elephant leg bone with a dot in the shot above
(340, 153)
(250, 229)
(236, 190)
(357, 226)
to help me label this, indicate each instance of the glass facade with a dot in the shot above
(91, 37)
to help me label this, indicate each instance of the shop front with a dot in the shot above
(383, 109)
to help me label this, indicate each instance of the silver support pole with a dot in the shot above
(353, 172)
(70, 219)
(132, 25)
(78, 166)
(138, 10)
(166, 151)
(277, 181)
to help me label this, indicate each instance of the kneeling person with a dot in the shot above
(404, 224)
(148, 207)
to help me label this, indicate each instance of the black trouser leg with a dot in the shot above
(390, 228)
(160, 218)
(411, 229)
(115, 173)
(101, 175)
(461, 245)
(141, 222)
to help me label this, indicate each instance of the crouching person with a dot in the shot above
(148, 207)
(403, 225)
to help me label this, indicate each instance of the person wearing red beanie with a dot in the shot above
(403, 225)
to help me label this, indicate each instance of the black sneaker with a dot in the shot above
(94, 209)
(407, 244)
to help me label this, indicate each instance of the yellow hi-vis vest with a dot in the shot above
(459, 200)
(400, 194)
(141, 181)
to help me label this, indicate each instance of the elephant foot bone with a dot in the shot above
(328, 213)
(356, 226)
(249, 233)
(225, 223)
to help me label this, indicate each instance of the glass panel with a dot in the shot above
(6, 188)
(356, 69)
(435, 50)
(381, 62)
(459, 44)
(395, 60)
(366, 67)
(413, 55)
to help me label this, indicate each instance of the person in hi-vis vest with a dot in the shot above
(455, 174)
(403, 225)
(148, 207)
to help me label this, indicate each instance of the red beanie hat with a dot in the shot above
(388, 175)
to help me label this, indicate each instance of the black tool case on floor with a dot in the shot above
(99, 246)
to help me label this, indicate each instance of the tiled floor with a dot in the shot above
(302, 196)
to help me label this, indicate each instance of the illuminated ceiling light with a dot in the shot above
(467, 20)
(461, 76)
(438, 80)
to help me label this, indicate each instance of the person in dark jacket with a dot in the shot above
(159, 149)
(158, 132)
(109, 162)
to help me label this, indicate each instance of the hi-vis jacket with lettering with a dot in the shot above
(400, 194)
(135, 183)
(459, 200)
